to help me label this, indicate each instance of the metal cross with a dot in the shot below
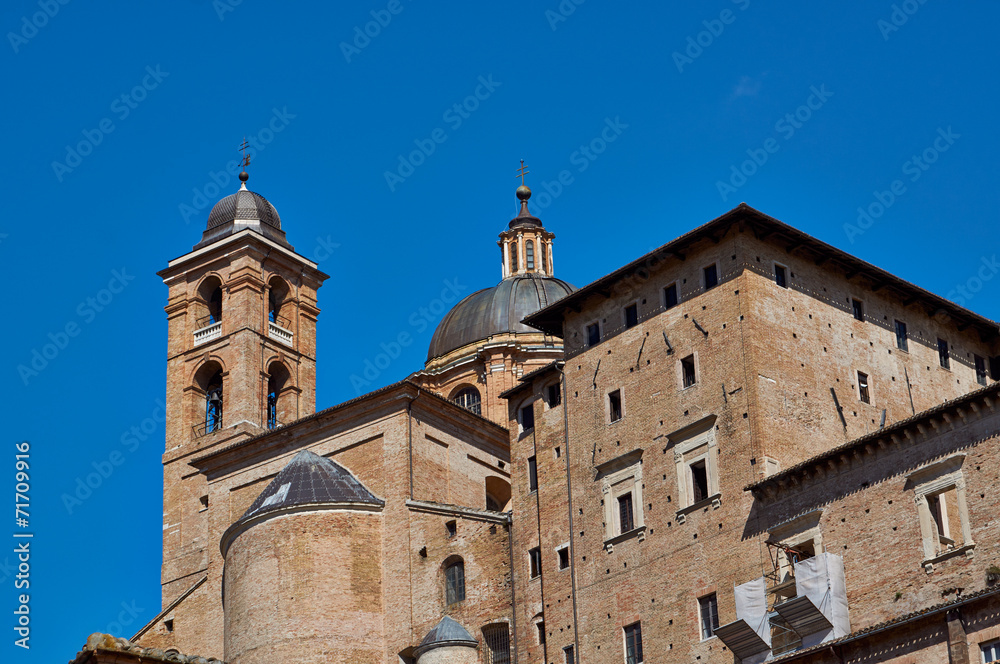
(246, 158)
(522, 172)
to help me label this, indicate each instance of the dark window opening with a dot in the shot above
(534, 562)
(711, 277)
(670, 296)
(554, 395)
(469, 399)
(512, 249)
(625, 515)
(529, 255)
(213, 404)
(272, 404)
(564, 558)
(569, 655)
(687, 369)
(204, 503)
(543, 249)
(631, 316)
(593, 334)
(541, 632)
(699, 481)
(980, 370)
(451, 527)
(532, 474)
(779, 276)
(497, 640)
(615, 405)
(863, 388)
(215, 306)
(633, 644)
(901, 338)
(709, 611)
(169, 624)
(858, 308)
(455, 582)
(943, 356)
(528, 417)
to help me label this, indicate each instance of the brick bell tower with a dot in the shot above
(241, 359)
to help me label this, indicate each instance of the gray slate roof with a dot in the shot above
(240, 211)
(447, 631)
(310, 479)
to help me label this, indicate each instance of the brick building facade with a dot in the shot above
(746, 445)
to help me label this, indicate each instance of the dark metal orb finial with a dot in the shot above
(523, 193)
(244, 176)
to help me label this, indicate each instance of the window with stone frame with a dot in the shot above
(633, 643)
(696, 460)
(621, 486)
(939, 493)
(991, 651)
(708, 615)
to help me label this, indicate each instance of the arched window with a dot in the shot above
(454, 580)
(277, 294)
(497, 493)
(529, 255)
(469, 399)
(544, 250)
(209, 309)
(213, 403)
(277, 408)
(513, 257)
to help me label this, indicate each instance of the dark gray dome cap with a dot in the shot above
(239, 211)
(447, 632)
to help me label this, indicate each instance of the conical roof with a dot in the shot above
(447, 632)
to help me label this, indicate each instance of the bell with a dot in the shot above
(214, 397)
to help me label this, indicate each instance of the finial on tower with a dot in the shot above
(523, 194)
(244, 162)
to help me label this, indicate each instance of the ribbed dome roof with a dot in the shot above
(241, 211)
(496, 310)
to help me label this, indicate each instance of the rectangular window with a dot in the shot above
(555, 395)
(687, 371)
(534, 562)
(593, 334)
(541, 633)
(451, 527)
(563, 557)
(497, 638)
(858, 308)
(980, 370)
(625, 515)
(709, 612)
(942, 506)
(528, 417)
(670, 296)
(699, 481)
(943, 356)
(863, 388)
(633, 644)
(615, 405)
(532, 474)
(779, 276)
(711, 276)
(631, 315)
(991, 652)
(901, 338)
(568, 655)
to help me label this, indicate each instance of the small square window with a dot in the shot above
(709, 614)
(554, 395)
(451, 527)
(535, 562)
(980, 370)
(711, 276)
(901, 338)
(858, 308)
(991, 652)
(558, 452)
(615, 405)
(699, 480)
(593, 334)
(670, 298)
(528, 417)
(568, 655)
(687, 371)
(204, 500)
(532, 474)
(863, 388)
(563, 557)
(779, 276)
(625, 513)
(631, 315)
(169, 624)
(944, 357)
(633, 644)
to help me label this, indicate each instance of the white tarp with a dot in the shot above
(751, 606)
(821, 579)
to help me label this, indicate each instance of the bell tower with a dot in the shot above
(241, 359)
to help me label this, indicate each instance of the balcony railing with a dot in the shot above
(206, 427)
(208, 333)
(279, 333)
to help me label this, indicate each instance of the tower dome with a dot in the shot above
(240, 211)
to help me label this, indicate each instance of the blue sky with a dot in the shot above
(121, 118)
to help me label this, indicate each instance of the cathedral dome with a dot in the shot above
(496, 310)
(241, 211)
